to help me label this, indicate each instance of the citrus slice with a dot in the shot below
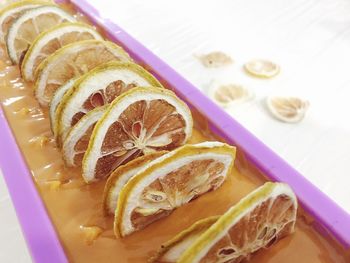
(29, 25)
(49, 41)
(6, 3)
(99, 87)
(12, 11)
(262, 68)
(171, 250)
(287, 109)
(171, 181)
(56, 100)
(73, 60)
(121, 176)
(140, 121)
(78, 137)
(257, 221)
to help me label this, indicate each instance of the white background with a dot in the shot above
(309, 39)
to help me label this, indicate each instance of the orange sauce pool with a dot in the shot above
(74, 205)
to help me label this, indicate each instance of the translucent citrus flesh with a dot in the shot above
(101, 93)
(11, 12)
(171, 250)
(71, 61)
(170, 182)
(135, 124)
(257, 221)
(121, 176)
(23, 32)
(50, 41)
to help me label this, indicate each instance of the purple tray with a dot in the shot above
(37, 227)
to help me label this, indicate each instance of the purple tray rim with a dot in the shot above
(38, 230)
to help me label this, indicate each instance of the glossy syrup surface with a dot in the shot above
(73, 206)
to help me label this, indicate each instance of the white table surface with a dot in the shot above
(309, 39)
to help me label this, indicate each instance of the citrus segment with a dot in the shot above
(171, 250)
(171, 181)
(11, 12)
(121, 176)
(140, 121)
(99, 87)
(78, 137)
(51, 40)
(73, 60)
(257, 221)
(56, 100)
(29, 25)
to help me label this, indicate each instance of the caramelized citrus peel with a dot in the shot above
(51, 40)
(73, 60)
(271, 227)
(147, 119)
(205, 165)
(106, 82)
(120, 177)
(170, 251)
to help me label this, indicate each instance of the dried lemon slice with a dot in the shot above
(56, 100)
(73, 60)
(121, 176)
(257, 221)
(12, 11)
(171, 181)
(287, 109)
(228, 95)
(99, 87)
(262, 68)
(29, 25)
(174, 248)
(78, 137)
(215, 59)
(51, 40)
(140, 121)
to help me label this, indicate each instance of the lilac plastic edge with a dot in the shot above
(40, 235)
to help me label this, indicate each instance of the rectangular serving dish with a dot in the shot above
(37, 227)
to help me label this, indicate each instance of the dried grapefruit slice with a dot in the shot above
(99, 87)
(51, 40)
(257, 221)
(12, 11)
(121, 176)
(78, 137)
(140, 121)
(56, 100)
(173, 249)
(73, 60)
(29, 25)
(171, 181)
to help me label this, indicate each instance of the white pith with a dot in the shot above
(11, 12)
(92, 156)
(93, 84)
(133, 197)
(27, 69)
(77, 131)
(60, 56)
(279, 189)
(118, 185)
(56, 100)
(28, 15)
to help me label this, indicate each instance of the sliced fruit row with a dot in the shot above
(259, 220)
